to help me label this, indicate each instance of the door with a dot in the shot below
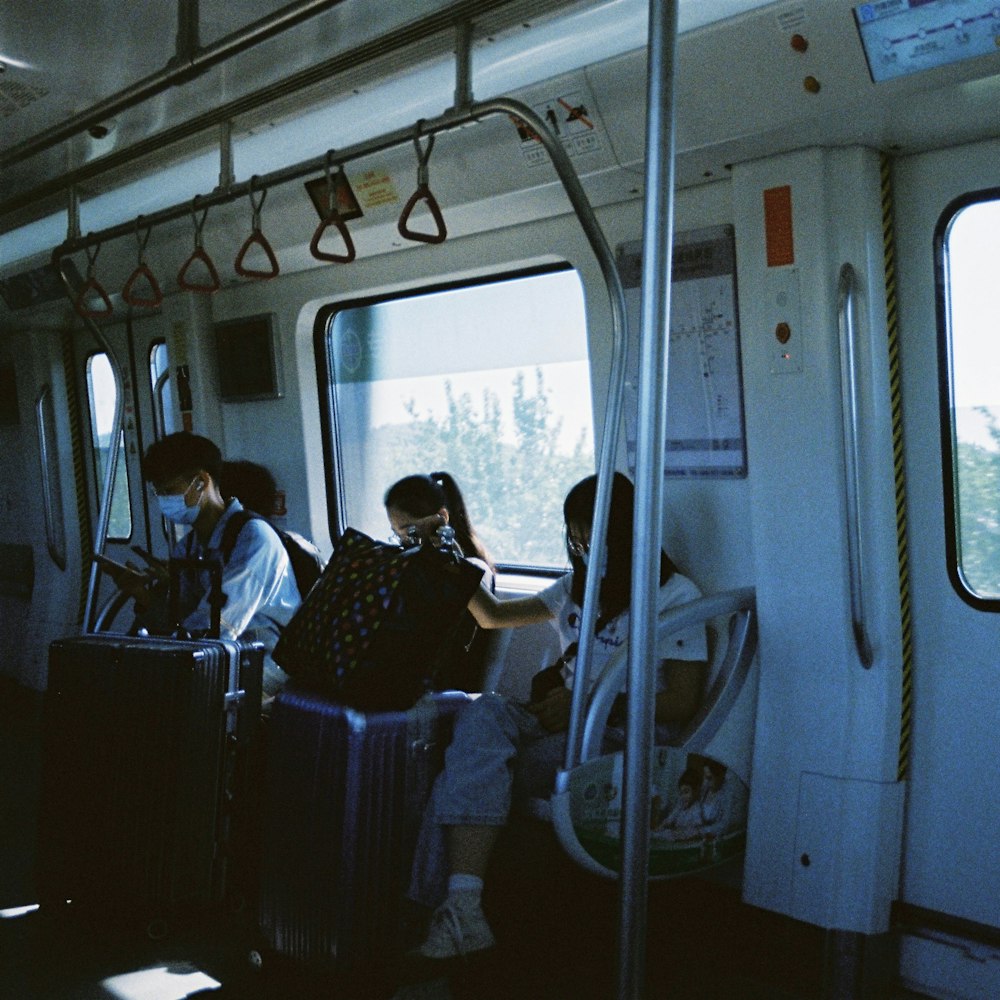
(131, 362)
(951, 851)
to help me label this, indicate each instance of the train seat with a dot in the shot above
(716, 743)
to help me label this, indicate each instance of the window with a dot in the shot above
(489, 382)
(103, 396)
(968, 248)
(159, 383)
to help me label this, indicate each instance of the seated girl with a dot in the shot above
(417, 507)
(501, 750)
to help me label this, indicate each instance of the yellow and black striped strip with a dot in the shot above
(895, 393)
(79, 474)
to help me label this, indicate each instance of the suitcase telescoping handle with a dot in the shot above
(216, 598)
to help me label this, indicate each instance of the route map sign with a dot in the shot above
(909, 36)
(705, 428)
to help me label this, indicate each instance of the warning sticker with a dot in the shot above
(374, 188)
(15, 96)
(573, 120)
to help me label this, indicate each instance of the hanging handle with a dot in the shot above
(331, 218)
(257, 238)
(199, 255)
(422, 194)
(846, 296)
(142, 271)
(92, 285)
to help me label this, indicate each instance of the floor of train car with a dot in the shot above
(555, 925)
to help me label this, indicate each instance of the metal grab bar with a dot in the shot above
(740, 647)
(55, 533)
(184, 66)
(846, 293)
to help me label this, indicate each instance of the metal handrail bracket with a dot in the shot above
(55, 532)
(850, 408)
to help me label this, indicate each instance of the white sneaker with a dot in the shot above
(457, 928)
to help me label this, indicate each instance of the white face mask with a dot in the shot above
(173, 508)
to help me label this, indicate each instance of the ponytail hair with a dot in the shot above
(421, 496)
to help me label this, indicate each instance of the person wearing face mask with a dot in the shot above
(502, 750)
(261, 595)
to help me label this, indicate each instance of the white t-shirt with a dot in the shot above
(689, 644)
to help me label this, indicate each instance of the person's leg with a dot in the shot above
(471, 800)
(469, 849)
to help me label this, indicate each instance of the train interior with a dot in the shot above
(297, 227)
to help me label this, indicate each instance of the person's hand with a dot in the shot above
(138, 584)
(553, 710)
(133, 581)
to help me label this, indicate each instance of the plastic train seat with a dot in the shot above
(713, 754)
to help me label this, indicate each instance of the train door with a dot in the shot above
(39, 564)
(137, 349)
(951, 854)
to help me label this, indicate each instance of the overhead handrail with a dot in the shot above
(129, 294)
(91, 284)
(257, 238)
(422, 194)
(199, 255)
(55, 534)
(181, 68)
(846, 290)
(331, 217)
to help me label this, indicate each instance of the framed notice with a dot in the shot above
(247, 354)
(705, 427)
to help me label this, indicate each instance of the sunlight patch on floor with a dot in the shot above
(173, 982)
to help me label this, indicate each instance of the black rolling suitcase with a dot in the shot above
(147, 747)
(344, 799)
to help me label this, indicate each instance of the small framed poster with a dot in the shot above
(247, 354)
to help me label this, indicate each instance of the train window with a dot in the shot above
(488, 381)
(967, 247)
(159, 381)
(103, 396)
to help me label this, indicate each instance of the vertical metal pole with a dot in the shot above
(226, 176)
(188, 24)
(73, 214)
(463, 65)
(647, 524)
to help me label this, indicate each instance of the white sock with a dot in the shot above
(470, 887)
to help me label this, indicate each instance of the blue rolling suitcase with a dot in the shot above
(344, 800)
(146, 747)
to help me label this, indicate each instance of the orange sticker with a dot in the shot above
(778, 226)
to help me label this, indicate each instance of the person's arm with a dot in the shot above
(490, 612)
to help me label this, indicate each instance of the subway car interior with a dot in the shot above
(743, 252)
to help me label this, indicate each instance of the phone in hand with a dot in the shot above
(112, 568)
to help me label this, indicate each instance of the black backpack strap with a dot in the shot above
(231, 531)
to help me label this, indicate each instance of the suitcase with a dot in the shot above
(146, 747)
(344, 800)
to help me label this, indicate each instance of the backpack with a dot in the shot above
(306, 561)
